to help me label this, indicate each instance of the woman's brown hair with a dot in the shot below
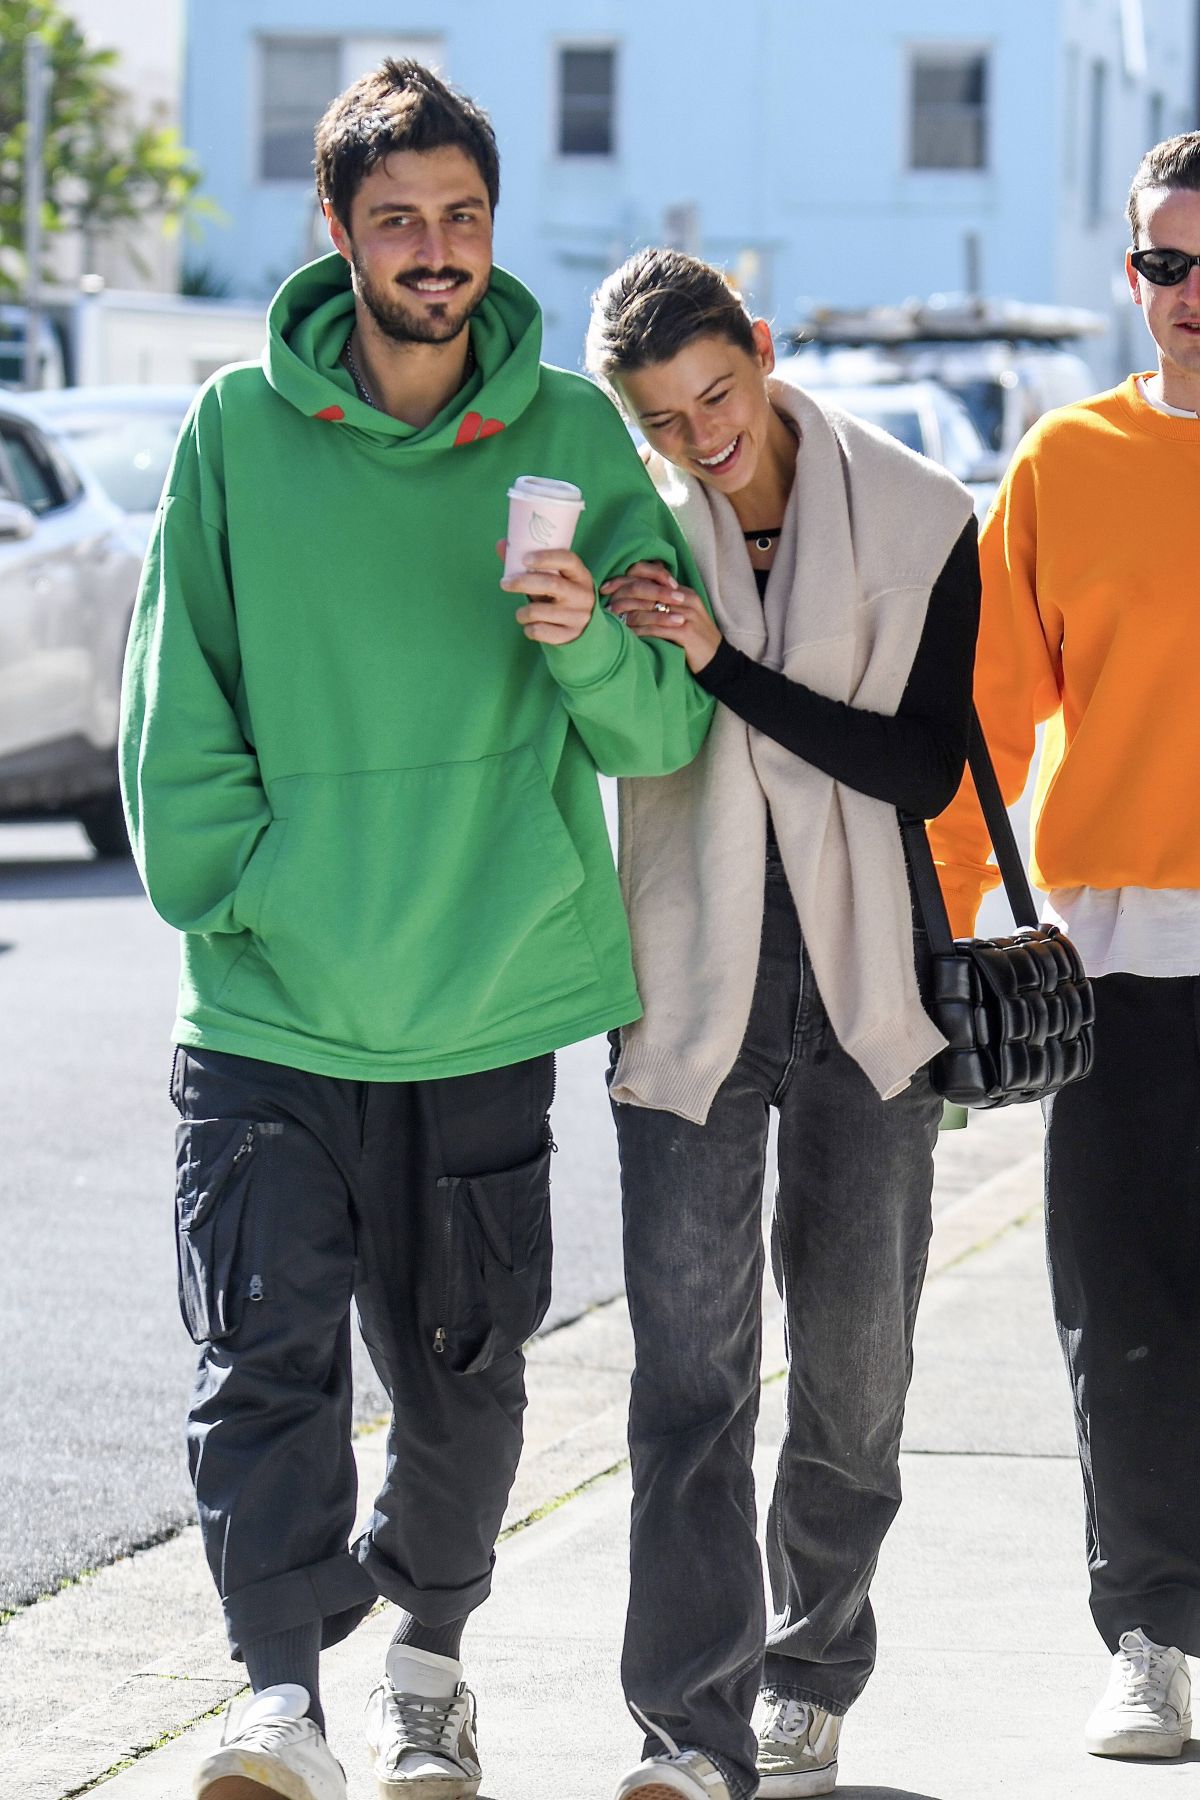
(654, 304)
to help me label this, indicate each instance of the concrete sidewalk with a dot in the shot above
(988, 1660)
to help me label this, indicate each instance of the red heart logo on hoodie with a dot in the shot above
(475, 426)
(333, 413)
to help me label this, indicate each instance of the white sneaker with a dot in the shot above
(423, 1742)
(797, 1747)
(673, 1773)
(275, 1749)
(1147, 1709)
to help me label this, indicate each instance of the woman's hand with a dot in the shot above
(654, 605)
(561, 595)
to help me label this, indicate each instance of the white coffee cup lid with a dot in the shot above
(545, 487)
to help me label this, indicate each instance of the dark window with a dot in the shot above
(949, 110)
(33, 472)
(1097, 130)
(68, 476)
(299, 77)
(587, 87)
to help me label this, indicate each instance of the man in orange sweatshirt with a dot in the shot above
(1091, 623)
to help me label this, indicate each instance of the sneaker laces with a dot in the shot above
(653, 1730)
(434, 1726)
(264, 1734)
(788, 1721)
(1143, 1669)
(682, 1759)
(794, 1721)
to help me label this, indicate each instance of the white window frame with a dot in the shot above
(262, 39)
(352, 62)
(584, 158)
(949, 50)
(363, 50)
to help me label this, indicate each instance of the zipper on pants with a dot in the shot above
(439, 1336)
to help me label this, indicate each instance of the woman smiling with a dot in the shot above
(777, 963)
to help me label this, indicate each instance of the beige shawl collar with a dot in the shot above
(867, 530)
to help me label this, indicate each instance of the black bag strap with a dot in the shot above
(1008, 857)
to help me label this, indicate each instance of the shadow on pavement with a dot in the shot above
(878, 1793)
(69, 878)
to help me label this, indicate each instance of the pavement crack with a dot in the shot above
(552, 1506)
(139, 1755)
(1063, 1456)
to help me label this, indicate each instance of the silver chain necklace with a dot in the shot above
(360, 386)
(364, 392)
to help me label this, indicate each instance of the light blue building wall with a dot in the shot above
(853, 154)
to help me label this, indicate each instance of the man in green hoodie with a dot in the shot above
(361, 781)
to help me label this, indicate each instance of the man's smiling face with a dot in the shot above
(419, 243)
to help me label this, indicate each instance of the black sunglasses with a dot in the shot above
(1165, 268)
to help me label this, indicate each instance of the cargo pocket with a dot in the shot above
(495, 1263)
(214, 1177)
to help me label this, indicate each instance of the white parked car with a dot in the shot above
(124, 436)
(921, 414)
(69, 567)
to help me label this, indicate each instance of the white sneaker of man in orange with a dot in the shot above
(1147, 1707)
(274, 1747)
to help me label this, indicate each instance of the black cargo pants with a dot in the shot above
(426, 1202)
(1123, 1234)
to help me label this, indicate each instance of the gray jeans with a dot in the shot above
(849, 1240)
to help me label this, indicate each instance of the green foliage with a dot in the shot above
(104, 171)
(204, 282)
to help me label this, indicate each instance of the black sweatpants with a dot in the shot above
(1123, 1234)
(427, 1203)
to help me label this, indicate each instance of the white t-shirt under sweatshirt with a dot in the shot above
(1132, 930)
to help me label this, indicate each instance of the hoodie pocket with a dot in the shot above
(214, 1177)
(410, 911)
(494, 1263)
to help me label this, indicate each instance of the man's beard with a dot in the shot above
(433, 324)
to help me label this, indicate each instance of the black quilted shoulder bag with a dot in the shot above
(1017, 1012)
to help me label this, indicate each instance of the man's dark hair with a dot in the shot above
(654, 304)
(1172, 164)
(401, 105)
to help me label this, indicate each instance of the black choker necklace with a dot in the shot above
(762, 540)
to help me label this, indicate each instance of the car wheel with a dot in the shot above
(104, 822)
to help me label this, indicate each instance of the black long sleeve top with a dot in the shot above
(913, 760)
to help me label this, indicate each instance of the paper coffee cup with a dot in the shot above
(542, 515)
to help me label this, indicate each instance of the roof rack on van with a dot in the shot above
(946, 318)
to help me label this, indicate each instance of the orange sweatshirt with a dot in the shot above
(1091, 622)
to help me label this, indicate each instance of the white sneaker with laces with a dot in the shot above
(797, 1747)
(672, 1772)
(1147, 1707)
(423, 1741)
(274, 1749)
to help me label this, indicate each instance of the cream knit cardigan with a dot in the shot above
(866, 532)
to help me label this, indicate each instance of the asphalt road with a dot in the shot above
(96, 1363)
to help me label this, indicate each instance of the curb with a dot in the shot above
(578, 1383)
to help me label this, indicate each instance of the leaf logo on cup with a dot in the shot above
(541, 530)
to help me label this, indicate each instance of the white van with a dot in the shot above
(1007, 361)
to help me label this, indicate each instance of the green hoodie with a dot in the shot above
(364, 796)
